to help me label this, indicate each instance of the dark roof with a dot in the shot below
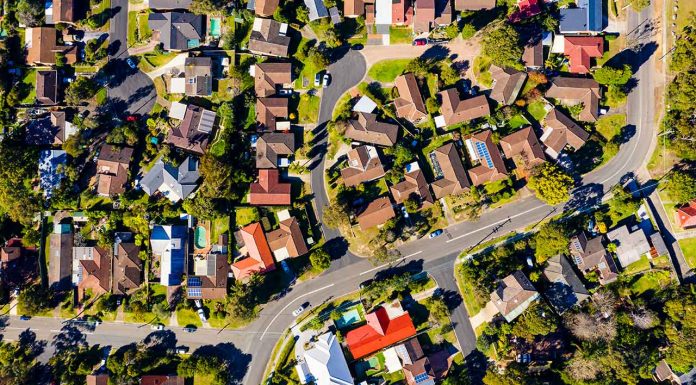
(271, 146)
(565, 288)
(128, 268)
(178, 31)
(47, 87)
(367, 129)
(60, 260)
(198, 73)
(194, 131)
(266, 38)
(450, 169)
(170, 4)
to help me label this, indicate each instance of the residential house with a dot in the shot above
(507, 84)
(413, 185)
(198, 76)
(386, 326)
(581, 49)
(287, 241)
(364, 165)
(533, 54)
(376, 213)
(174, 182)
(561, 133)
(365, 104)
(572, 91)
(91, 270)
(268, 190)
(513, 295)
(353, 8)
(317, 9)
(42, 47)
(589, 255)
(269, 37)
(525, 10)
(586, 18)
(112, 169)
(128, 268)
(97, 379)
(431, 14)
(10, 253)
(265, 8)
(169, 4)
(162, 380)
(658, 245)
(254, 246)
(473, 5)
(686, 215)
(51, 173)
(456, 110)
(565, 288)
(52, 129)
(60, 257)
(47, 87)
(367, 129)
(664, 374)
(270, 112)
(523, 145)
(193, 133)
(449, 170)
(61, 11)
(401, 11)
(169, 245)
(210, 277)
(491, 166)
(268, 77)
(274, 149)
(631, 244)
(177, 31)
(417, 367)
(409, 105)
(324, 363)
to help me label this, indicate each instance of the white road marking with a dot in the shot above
(495, 224)
(290, 303)
(387, 264)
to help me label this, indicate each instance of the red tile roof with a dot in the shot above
(527, 9)
(686, 215)
(260, 259)
(380, 332)
(268, 190)
(580, 49)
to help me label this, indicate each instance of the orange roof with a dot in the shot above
(580, 49)
(380, 332)
(686, 215)
(257, 245)
(269, 190)
(244, 268)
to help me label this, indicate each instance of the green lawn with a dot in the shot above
(187, 317)
(132, 28)
(220, 226)
(688, 247)
(537, 110)
(158, 60)
(610, 126)
(138, 30)
(386, 71)
(641, 265)
(518, 121)
(653, 280)
(200, 379)
(473, 306)
(29, 80)
(246, 215)
(481, 65)
(218, 148)
(400, 35)
(308, 109)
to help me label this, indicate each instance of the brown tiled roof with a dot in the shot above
(268, 76)
(455, 110)
(485, 172)
(64, 11)
(409, 104)
(112, 169)
(269, 111)
(367, 129)
(287, 240)
(96, 273)
(198, 73)
(377, 212)
(560, 132)
(60, 260)
(424, 15)
(128, 268)
(590, 254)
(47, 87)
(161, 380)
(10, 253)
(353, 8)
(44, 47)
(512, 292)
(267, 40)
(97, 379)
(266, 8)
(533, 54)
(268, 190)
(507, 83)
(369, 14)
(523, 142)
(193, 134)
(473, 5)
(420, 368)
(272, 145)
(577, 90)
(414, 183)
(364, 165)
(454, 179)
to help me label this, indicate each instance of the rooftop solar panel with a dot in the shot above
(194, 282)
(194, 292)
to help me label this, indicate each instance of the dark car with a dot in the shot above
(24, 318)
(357, 47)
(420, 41)
(435, 233)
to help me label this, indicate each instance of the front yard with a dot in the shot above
(386, 71)
(400, 35)
(308, 109)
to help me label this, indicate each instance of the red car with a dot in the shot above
(420, 42)
(132, 118)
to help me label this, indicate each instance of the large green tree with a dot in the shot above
(613, 76)
(681, 186)
(30, 12)
(551, 184)
(18, 167)
(551, 239)
(502, 46)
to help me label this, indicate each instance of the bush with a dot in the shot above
(468, 31)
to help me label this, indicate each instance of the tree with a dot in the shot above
(242, 301)
(681, 186)
(411, 204)
(17, 362)
(681, 93)
(537, 320)
(72, 364)
(613, 76)
(212, 367)
(452, 30)
(639, 5)
(583, 369)
(317, 59)
(336, 215)
(615, 96)
(35, 299)
(502, 46)
(18, 167)
(468, 31)
(551, 239)
(320, 259)
(588, 328)
(683, 57)
(551, 184)
(207, 7)
(622, 204)
(81, 89)
(383, 255)
(419, 66)
(30, 12)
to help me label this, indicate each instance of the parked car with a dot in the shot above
(198, 303)
(24, 318)
(365, 284)
(435, 233)
(285, 92)
(157, 327)
(189, 329)
(298, 311)
(201, 315)
(326, 80)
(357, 47)
(182, 350)
(317, 79)
(131, 118)
(131, 63)
(421, 41)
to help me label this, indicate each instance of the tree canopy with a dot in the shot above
(551, 239)
(502, 46)
(551, 184)
(681, 186)
(613, 76)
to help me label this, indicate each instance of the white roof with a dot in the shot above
(177, 86)
(391, 359)
(365, 104)
(440, 121)
(283, 215)
(470, 149)
(326, 362)
(283, 125)
(177, 110)
(257, 24)
(558, 44)
(383, 12)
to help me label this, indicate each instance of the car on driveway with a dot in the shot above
(131, 63)
(298, 311)
(317, 79)
(435, 233)
(285, 92)
(189, 329)
(182, 350)
(420, 41)
(326, 80)
(201, 315)
(157, 327)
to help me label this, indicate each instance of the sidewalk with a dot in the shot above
(486, 315)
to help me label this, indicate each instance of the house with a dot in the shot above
(269, 37)
(268, 77)
(387, 325)
(586, 18)
(367, 129)
(473, 5)
(565, 288)
(10, 253)
(417, 367)
(353, 8)
(287, 241)
(513, 295)
(52, 129)
(376, 213)
(590, 255)
(449, 171)
(128, 268)
(525, 145)
(47, 87)
(258, 258)
(265, 8)
(169, 4)
(210, 279)
(268, 190)
(664, 374)
(91, 270)
(364, 165)
(317, 9)
(572, 91)
(270, 112)
(491, 166)
(658, 245)
(193, 133)
(581, 49)
(60, 257)
(174, 182)
(365, 104)
(686, 215)
(414, 184)
(401, 11)
(431, 14)
(112, 169)
(456, 110)
(561, 133)
(274, 149)
(409, 105)
(526, 9)
(161, 380)
(97, 379)
(51, 173)
(198, 76)
(507, 83)
(61, 11)
(324, 363)
(631, 244)
(533, 54)
(169, 244)
(42, 47)
(177, 31)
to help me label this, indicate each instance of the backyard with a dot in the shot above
(308, 109)
(537, 110)
(29, 81)
(246, 215)
(688, 247)
(138, 30)
(386, 71)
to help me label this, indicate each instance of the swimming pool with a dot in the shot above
(348, 318)
(199, 238)
(214, 27)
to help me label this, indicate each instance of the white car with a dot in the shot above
(201, 315)
(327, 80)
(317, 80)
(157, 327)
(298, 311)
(198, 303)
(285, 92)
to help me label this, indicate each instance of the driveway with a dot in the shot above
(486, 315)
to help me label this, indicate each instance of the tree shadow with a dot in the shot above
(160, 341)
(236, 360)
(584, 197)
(70, 336)
(412, 267)
(336, 247)
(451, 298)
(28, 338)
(635, 57)
(436, 53)
(627, 132)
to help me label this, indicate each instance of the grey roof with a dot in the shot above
(565, 289)
(170, 4)
(587, 17)
(659, 243)
(317, 9)
(631, 244)
(182, 179)
(178, 30)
